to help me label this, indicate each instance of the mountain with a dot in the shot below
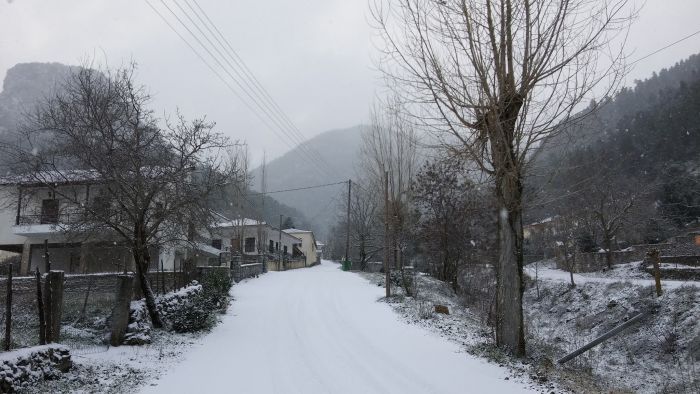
(23, 86)
(611, 114)
(337, 153)
(648, 136)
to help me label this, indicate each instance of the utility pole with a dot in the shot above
(279, 246)
(347, 229)
(262, 238)
(387, 266)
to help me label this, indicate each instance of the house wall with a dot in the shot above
(308, 246)
(8, 213)
(262, 238)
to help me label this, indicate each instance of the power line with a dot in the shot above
(250, 91)
(666, 47)
(299, 188)
(208, 51)
(249, 74)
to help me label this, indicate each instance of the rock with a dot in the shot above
(442, 309)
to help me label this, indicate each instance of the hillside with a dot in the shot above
(649, 135)
(23, 86)
(340, 150)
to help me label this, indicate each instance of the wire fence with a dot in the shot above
(86, 308)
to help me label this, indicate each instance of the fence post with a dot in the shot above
(8, 310)
(655, 260)
(120, 312)
(40, 306)
(53, 305)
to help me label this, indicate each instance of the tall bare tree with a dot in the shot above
(495, 77)
(152, 183)
(390, 146)
(365, 227)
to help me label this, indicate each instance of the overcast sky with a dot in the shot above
(315, 57)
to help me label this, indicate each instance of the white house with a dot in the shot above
(34, 216)
(252, 239)
(308, 245)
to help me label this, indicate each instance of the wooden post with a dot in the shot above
(387, 265)
(347, 226)
(162, 276)
(120, 313)
(47, 262)
(656, 261)
(8, 310)
(19, 206)
(40, 305)
(53, 305)
(279, 251)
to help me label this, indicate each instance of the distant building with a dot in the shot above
(308, 245)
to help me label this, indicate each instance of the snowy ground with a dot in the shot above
(322, 330)
(102, 369)
(620, 273)
(659, 355)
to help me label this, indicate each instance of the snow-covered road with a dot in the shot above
(321, 330)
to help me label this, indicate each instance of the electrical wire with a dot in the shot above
(218, 74)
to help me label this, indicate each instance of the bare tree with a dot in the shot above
(365, 228)
(390, 146)
(495, 78)
(565, 238)
(151, 185)
(610, 204)
(454, 215)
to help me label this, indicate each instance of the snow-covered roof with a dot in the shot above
(52, 177)
(207, 249)
(239, 222)
(296, 231)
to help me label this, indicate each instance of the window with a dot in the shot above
(250, 245)
(271, 249)
(235, 245)
(285, 249)
(49, 211)
(216, 243)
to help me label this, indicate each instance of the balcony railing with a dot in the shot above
(61, 218)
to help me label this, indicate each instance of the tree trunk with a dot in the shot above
(571, 276)
(141, 260)
(608, 249)
(510, 333)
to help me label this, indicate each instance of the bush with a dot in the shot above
(215, 287)
(195, 314)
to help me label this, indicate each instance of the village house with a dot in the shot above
(35, 216)
(308, 245)
(254, 241)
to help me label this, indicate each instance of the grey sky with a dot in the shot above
(314, 56)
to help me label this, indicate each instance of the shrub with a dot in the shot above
(195, 314)
(215, 287)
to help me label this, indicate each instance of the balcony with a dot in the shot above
(43, 225)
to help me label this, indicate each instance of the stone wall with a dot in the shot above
(670, 252)
(23, 367)
(244, 271)
(590, 262)
(693, 261)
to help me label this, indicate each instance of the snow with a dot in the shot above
(296, 231)
(27, 351)
(547, 272)
(322, 330)
(239, 222)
